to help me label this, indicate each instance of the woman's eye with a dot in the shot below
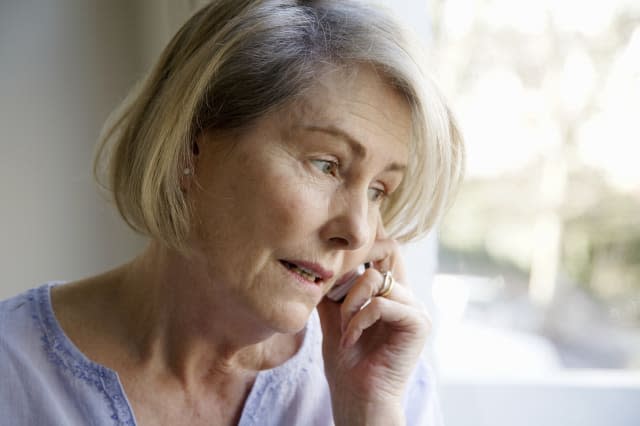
(327, 167)
(377, 195)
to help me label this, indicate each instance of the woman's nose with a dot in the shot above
(349, 227)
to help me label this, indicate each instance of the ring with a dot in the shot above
(387, 284)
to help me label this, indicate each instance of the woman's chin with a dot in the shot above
(291, 318)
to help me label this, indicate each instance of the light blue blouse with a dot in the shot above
(46, 380)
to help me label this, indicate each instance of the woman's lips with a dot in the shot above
(311, 271)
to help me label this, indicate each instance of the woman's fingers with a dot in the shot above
(366, 288)
(362, 300)
(385, 256)
(405, 318)
(382, 254)
(362, 291)
(329, 312)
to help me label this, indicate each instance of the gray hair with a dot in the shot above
(236, 60)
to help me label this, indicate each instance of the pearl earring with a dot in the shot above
(186, 171)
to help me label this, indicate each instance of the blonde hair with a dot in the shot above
(236, 60)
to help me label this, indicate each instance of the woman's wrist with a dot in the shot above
(389, 413)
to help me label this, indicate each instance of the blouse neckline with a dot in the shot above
(68, 357)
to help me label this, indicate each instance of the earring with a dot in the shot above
(186, 171)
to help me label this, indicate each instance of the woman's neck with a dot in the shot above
(165, 314)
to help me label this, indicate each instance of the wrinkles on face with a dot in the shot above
(266, 199)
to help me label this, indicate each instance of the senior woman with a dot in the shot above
(276, 147)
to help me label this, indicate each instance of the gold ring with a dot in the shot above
(387, 284)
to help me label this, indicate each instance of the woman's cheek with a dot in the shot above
(295, 206)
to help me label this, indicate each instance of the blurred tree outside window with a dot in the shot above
(548, 96)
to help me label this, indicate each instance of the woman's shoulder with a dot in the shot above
(29, 327)
(24, 358)
(21, 317)
(44, 377)
(29, 333)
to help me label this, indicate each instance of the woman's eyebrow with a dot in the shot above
(358, 149)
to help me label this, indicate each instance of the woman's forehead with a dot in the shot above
(356, 103)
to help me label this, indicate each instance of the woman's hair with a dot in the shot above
(236, 60)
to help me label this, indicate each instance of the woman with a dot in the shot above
(275, 148)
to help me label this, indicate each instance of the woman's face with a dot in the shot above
(286, 207)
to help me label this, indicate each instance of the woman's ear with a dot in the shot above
(188, 172)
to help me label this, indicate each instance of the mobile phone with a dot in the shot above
(340, 290)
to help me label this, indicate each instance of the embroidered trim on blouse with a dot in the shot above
(279, 381)
(62, 353)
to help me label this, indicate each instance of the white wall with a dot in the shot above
(63, 65)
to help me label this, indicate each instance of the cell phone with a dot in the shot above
(340, 290)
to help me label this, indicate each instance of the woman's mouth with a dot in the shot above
(303, 272)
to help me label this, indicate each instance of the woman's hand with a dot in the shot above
(370, 349)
